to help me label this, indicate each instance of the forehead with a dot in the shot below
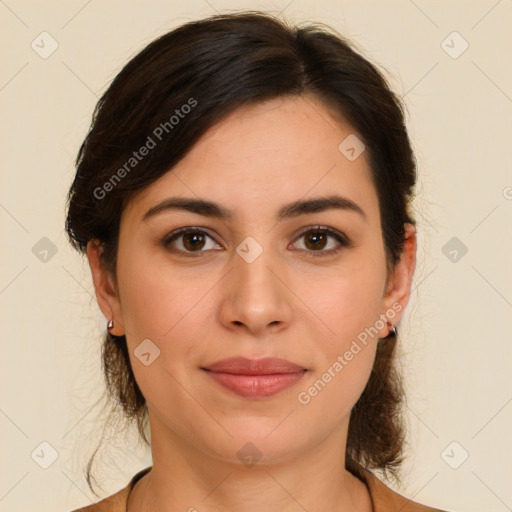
(265, 155)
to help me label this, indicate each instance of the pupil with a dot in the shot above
(318, 237)
(196, 238)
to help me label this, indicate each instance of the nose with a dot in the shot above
(256, 296)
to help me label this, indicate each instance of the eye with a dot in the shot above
(189, 240)
(317, 239)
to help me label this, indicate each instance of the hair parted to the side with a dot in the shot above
(224, 62)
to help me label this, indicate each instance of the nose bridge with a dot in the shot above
(257, 296)
(253, 264)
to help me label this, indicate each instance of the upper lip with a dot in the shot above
(245, 366)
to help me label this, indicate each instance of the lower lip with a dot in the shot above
(256, 386)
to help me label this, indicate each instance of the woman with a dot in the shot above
(243, 199)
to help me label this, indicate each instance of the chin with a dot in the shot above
(259, 441)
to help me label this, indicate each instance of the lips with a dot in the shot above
(244, 366)
(256, 378)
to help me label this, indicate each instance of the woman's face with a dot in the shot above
(257, 284)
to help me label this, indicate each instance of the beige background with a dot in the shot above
(456, 334)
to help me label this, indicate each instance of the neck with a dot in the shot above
(184, 478)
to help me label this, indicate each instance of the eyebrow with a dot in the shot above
(288, 211)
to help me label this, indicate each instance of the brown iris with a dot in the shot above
(193, 241)
(318, 237)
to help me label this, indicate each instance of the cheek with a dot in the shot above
(347, 305)
(345, 349)
(157, 302)
(345, 301)
(171, 313)
(332, 392)
(157, 306)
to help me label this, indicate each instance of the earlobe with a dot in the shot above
(105, 288)
(399, 285)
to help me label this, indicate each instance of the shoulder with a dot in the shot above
(386, 500)
(116, 502)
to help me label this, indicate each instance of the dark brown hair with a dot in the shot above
(182, 84)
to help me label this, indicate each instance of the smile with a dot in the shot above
(255, 378)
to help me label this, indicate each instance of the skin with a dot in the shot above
(286, 304)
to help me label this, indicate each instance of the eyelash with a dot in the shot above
(343, 241)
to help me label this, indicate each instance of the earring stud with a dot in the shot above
(110, 325)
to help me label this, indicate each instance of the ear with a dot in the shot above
(105, 287)
(399, 283)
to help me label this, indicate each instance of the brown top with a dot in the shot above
(383, 498)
